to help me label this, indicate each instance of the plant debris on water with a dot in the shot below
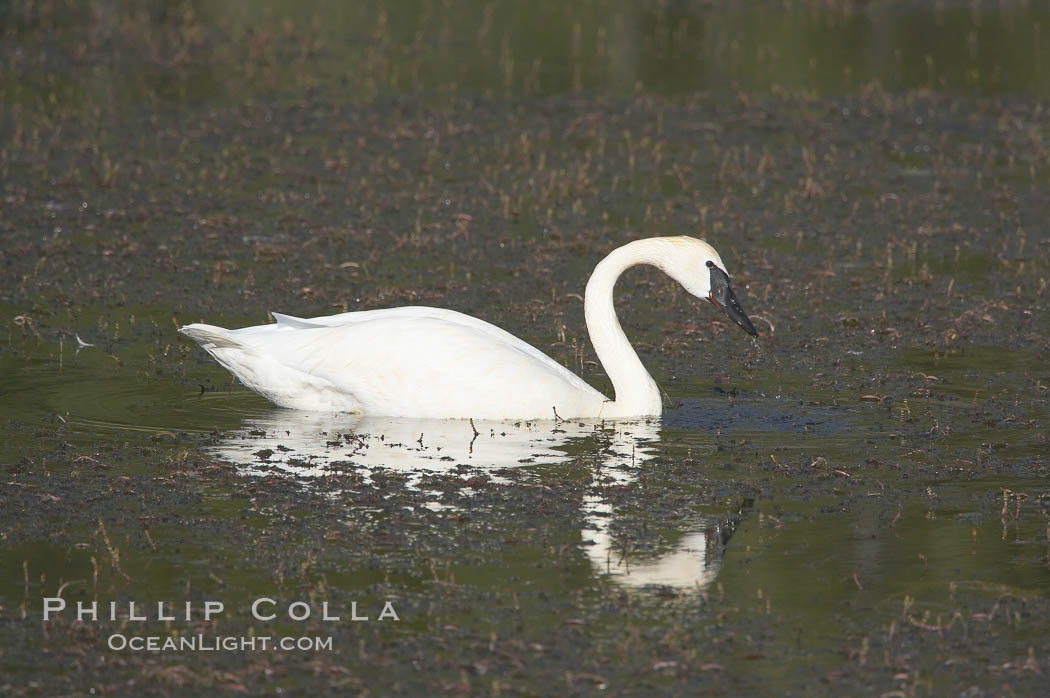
(853, 503)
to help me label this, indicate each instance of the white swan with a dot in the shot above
(436, 363)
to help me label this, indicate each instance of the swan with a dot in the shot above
(436, 363)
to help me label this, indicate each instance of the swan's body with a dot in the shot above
(435, 363)
(412, 361)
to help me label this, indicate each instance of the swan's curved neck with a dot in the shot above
(636, 393)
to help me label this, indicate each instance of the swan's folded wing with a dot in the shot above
(428, 366)
(408, 312)
(296, 323)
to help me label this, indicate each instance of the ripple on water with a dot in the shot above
(94, 394)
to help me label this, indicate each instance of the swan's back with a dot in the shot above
(411, 361)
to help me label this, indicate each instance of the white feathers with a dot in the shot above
(435, 363)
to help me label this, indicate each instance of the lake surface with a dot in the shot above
(853, 503)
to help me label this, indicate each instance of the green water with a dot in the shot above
(853, 503)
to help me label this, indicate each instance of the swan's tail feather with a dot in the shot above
(247, 354)
(210, 337)
(233, 355)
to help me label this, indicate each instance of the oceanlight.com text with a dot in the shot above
(218, 643)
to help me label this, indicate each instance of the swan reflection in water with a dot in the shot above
(308, 444)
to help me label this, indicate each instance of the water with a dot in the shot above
(853, 503)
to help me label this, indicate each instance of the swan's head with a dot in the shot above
(697, 266)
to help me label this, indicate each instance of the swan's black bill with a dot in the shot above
(722, 296)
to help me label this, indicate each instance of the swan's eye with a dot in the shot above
(710, 264)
